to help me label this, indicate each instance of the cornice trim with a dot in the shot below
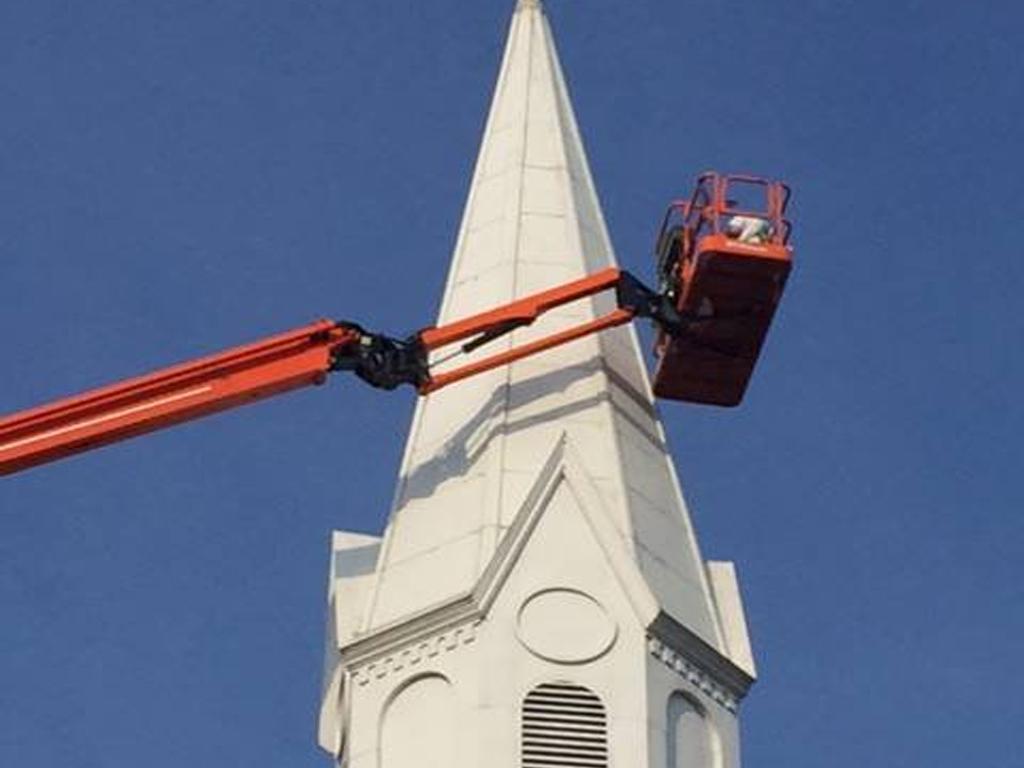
(688, 654)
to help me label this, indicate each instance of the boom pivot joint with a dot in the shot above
(632, 295)
(381, 361)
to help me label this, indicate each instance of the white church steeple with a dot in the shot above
(539, 577)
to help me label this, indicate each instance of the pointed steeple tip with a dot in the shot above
(521, 4)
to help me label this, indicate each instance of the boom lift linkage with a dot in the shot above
(704, 354)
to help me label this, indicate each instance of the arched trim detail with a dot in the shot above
(418, 723)
(692, 739)
(411, 680)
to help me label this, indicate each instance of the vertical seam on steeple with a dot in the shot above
(487, 546)
(566, 127)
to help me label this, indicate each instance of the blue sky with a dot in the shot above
(180, 177)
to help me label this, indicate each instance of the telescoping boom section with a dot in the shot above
(171, 396)
(721, 269)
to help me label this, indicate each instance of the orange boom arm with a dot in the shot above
(181, 393)
(298, 358)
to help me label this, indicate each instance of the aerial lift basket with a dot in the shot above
(723, 257)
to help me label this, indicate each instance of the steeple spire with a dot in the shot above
(532, 221)
(539, 553)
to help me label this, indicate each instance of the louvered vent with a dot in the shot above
(564, 726)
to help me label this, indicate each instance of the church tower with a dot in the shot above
(538, 598)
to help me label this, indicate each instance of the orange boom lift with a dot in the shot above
(721, 270)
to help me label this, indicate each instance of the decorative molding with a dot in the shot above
(404, 632)
(697, 652)
(414, 653)
(698, 677)
(575, 627)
